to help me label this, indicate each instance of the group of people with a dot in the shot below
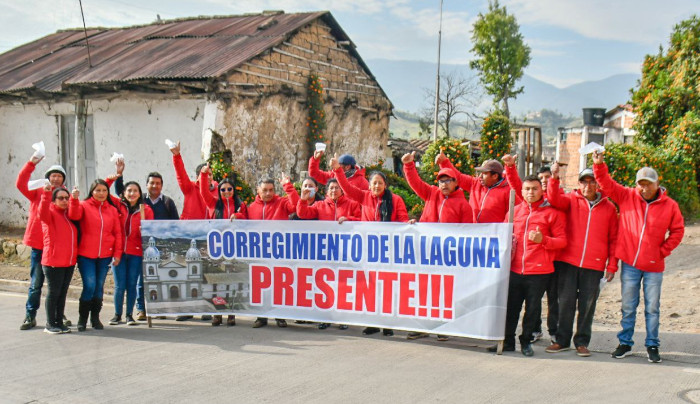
(564, 244)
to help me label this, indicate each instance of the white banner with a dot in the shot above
(449, 279)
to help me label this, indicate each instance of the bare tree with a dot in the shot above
(458, 96)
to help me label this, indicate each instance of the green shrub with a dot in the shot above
(495, 136)
(454, 150)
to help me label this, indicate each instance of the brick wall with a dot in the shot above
(569, 155)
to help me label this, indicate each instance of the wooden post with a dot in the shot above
(528, 142)
(521, 153)
(538, 149)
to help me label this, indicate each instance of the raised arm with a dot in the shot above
(23, 179)
(44, 212)
(555, 197)
(209, 199)
(615, 191)
(514, 182)
(292, 195)
(414, 181)
(315, 170)
(183, 180)
(75, 209)
(465, 181)
(349, 190)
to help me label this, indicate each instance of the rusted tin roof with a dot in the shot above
(194, 49)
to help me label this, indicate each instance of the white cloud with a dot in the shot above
(630, 67)
(455, 24)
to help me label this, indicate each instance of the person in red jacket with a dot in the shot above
(354, 173)
(591, 232)
(647, 214)
(378, 203)
(194, 208)
(33, 236)
(270, 206)
(100, 244)
(127, 273)
(444, 203)
(538, 232)
(488, 192)
(60, 239)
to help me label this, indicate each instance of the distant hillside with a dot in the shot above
(404, 82)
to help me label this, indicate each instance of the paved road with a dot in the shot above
(194, 362)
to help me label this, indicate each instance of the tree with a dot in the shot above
(454, 150)
(458, 96)
(495, 136)
(501, 54)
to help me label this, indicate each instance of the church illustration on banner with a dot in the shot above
(174, 286)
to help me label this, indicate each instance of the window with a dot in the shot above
(151, 270)
(173, 273)
(194, 293)
(596, 137)
(194, 270)
(154, 295)
(174, 292)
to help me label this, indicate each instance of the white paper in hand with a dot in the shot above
(116, 156)
(590, 148)
(36, 184)
(603, 281)
(39, 149)
(170, 143)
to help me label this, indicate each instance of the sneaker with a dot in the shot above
(64, 328)
(66, 322)
(260, 322)
(370, 331)
(442, 338)
(388, 332)
(130, 320)
(28, 323)
(115, 320)
(141, 316)
(583, 351)
(536, 336)
(217, 320)
(343, 327)
(323, 326)
(554, 348)
(527, 350)
(621, 351)
(506, 348)
(416, 335)
(281, 323)
(653, 354)
(230, 321)
(52, 330)
(183, 318)
(206, 317)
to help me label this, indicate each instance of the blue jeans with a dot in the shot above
(140, 304)
(125, 276)
(94, 272)
(36, 272)
(632, 279)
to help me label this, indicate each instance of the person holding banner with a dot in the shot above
(354, 173)
(33, 237)
(488, 192)
(100, 244)
(647, 214)
(538, 232)
(59, 254)
(444, 203)
(227, 206)
(270, 206)
(591, 232)
(378, 203)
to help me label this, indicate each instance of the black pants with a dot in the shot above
(582, 285)
(552, 291)
(528, 289)
(58, 280)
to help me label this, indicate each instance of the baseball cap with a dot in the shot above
(448, 172)
(347, 160)
(492, 166)
(647, 173)
(587, 172)
(55, 169)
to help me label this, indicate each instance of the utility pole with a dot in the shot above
(437, 80)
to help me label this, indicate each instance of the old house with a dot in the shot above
(234, 82)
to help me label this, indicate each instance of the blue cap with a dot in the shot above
(347, 160)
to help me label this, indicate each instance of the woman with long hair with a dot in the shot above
(128, 272)
(227, 206)
(378, 203)
(59, 254)
(100, 244)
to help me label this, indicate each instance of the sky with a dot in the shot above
(572, 40)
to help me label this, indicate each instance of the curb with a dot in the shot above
(21, 287)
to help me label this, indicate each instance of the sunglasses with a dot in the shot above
(62, 198)
(446, 181)
(227, 189)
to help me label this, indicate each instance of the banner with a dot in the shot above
(449, 279)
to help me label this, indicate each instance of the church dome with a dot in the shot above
(193, 253)
(151, 252)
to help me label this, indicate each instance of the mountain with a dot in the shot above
(405, 81)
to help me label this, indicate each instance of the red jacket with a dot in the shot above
(369, 202)
(358, 179)
(60, 236)
(131, 226)
(438, 207)
(210, 201)
(328, 209)
(33, 236)
(279, 208)
(194, 207)
(489, 205)
(642, 241)
(591, 231)
(100, 228)
(532, 258)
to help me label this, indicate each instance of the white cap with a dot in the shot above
(647, 173)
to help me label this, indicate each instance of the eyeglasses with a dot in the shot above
(446, 181)
(227, 189)
(62, 198)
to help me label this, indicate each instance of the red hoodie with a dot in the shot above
(532, 258)
(131, 226)
(59, 233)
(328, 209)
(591, 231)
(33, 236)
(210, 201)
(358, 179)
(279, 208)
(100, 227)
(369, 202)
(642, 241)
(194, 207)
(489, 205)
(438, 207)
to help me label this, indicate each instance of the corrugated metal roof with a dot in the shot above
(194, 49)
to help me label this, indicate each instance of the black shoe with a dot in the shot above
(506, 348)
(653, 354)
(323, 326)
(388, 332)
(115, 320)
(28, 323)
(260, 322)
(281, 323)
(527, 350)
(130, 320)
(230, 320)
(64, 328)
(84, 307)
(206, 317)
(183, 318)
(95, 314)
(621, 351)
(49, 329)
(416, 335)
(370, 330)
(343, 327)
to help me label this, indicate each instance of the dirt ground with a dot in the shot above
(680, 296)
